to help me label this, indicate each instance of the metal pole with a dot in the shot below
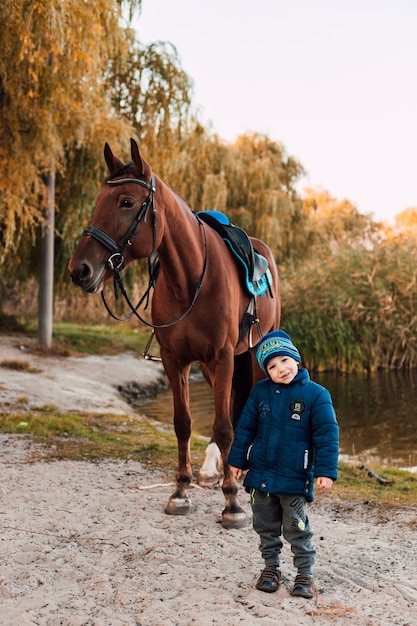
(46, 281)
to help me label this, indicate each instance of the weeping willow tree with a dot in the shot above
(72, 76)
(52, 99)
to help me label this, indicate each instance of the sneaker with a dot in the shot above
(269, 579)
(303, 586)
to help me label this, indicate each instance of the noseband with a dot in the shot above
(116, 258)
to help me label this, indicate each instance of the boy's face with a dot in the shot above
(282, 369)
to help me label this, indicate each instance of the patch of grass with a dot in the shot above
(20, 366)
(355, 484)
(80, 436)
(108, 339)
(101, 339)
(22, 400)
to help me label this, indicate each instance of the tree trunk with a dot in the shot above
(46, 279)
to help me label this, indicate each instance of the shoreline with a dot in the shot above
(93, 383)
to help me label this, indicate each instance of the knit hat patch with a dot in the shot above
(275, 343)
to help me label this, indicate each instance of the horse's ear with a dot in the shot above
(113, 162)
(142, 168)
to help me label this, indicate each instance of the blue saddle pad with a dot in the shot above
(256, 274)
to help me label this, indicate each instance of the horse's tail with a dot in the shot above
(241, 384)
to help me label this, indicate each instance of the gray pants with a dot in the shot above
(276, 513)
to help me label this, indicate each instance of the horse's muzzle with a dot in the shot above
(84, 277)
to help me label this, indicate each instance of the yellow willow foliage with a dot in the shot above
(194, 168)
(53, 94)
(159, 94)
(334, 222)
(215, 193)
(259, 163)
(407, 219)
(406, 223)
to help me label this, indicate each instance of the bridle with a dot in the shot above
(117, 250)
(116, 259)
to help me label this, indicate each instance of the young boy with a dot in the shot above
(286, 436)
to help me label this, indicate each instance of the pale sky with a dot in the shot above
(334, 81)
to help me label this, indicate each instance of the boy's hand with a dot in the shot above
(324, 483)
(236, 472)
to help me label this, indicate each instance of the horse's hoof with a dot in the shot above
(235, 520)
(178, 506)
(208, 480)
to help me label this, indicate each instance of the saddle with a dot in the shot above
(254, 266)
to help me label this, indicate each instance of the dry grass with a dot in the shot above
(20, 366)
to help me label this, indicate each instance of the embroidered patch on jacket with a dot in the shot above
(297, 407)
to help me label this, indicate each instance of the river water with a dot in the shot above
(377, 414)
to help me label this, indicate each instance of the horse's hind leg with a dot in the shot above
(179, 502)
(242, 382)
(209, 473)
(233, 516)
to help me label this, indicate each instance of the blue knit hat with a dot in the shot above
(275, 343)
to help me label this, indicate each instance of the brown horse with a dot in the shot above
(198, 305)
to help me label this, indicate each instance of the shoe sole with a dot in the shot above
(266, 590)
(298, 593)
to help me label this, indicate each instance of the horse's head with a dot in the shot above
(123, 226)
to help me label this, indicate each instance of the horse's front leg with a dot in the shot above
(179, 502)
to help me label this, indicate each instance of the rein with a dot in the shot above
(116, 258)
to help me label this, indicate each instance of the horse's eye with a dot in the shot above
(126, 203)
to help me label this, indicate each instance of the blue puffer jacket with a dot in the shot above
(286, 436)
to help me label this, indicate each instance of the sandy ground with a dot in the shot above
(89, 544)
